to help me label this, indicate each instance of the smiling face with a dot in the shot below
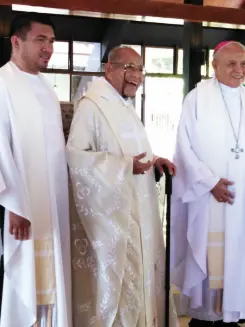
(34, 51)
(229, 65)
(125, 71)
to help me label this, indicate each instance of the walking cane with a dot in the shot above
(168, 192)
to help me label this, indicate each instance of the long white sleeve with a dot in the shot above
(10, 179)
(194, 178)
(2, 183)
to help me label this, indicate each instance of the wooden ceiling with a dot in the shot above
(223, 3)
(225, 11)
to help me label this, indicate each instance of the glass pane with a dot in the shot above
(60, 57)
(172, 21)
(61, 84)
(162, 109)
(204, 67)
(211, 70)
(159, 60)
(80, 85)
(45, 10)
(223, 25)
(150, 19)
(204, 70)
(180, 62)
(86, 57)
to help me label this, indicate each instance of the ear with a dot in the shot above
(214, 64)
(15, 41)
(107, 70)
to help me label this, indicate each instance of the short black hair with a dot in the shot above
(21, 24)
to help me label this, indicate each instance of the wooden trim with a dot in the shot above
(224, 3)
(67, 72)
(154, 8)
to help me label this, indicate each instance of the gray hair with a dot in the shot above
(115, 53)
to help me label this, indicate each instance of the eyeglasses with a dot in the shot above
(131, 68)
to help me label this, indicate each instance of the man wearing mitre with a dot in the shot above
(208, 204)
(117, 238)
(33, 185)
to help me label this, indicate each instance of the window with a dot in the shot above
(223, 25)
(163, 104)
(159, 60)
(180, 62)
(86, 57)
(180, 70)
(61, 84)
(204, 70)
(60, 57)
(80, 85)
(86, 60)
(172, 21)
(211, 70)
(40, 9)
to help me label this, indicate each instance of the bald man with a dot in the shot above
(208, 208)
(118, 248)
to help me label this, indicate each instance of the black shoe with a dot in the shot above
(220, 323)
(204, 323)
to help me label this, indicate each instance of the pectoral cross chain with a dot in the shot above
(237, 151)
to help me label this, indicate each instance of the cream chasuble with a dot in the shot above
(117, 240)
(35, 281)
(207, 236)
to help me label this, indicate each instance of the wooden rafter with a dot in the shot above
(155, 8)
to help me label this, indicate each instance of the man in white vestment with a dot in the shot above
(117, 239)
(208, 205)
(33, 184)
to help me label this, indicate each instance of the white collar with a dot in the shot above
(125, 101)
(228, 89)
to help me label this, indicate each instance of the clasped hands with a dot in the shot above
(141, 168)
(222, 193)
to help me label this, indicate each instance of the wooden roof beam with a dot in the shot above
(155, 8)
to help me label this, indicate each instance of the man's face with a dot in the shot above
(127, 73)
(36, 49)
(229, 65)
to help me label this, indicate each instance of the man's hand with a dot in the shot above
(171, 167)
(19, 227)
(140, 167)
(221, 193)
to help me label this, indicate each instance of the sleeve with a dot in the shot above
(194, 178)
(2, 184)
(82, 130)
(11, 196)
(86, 150)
